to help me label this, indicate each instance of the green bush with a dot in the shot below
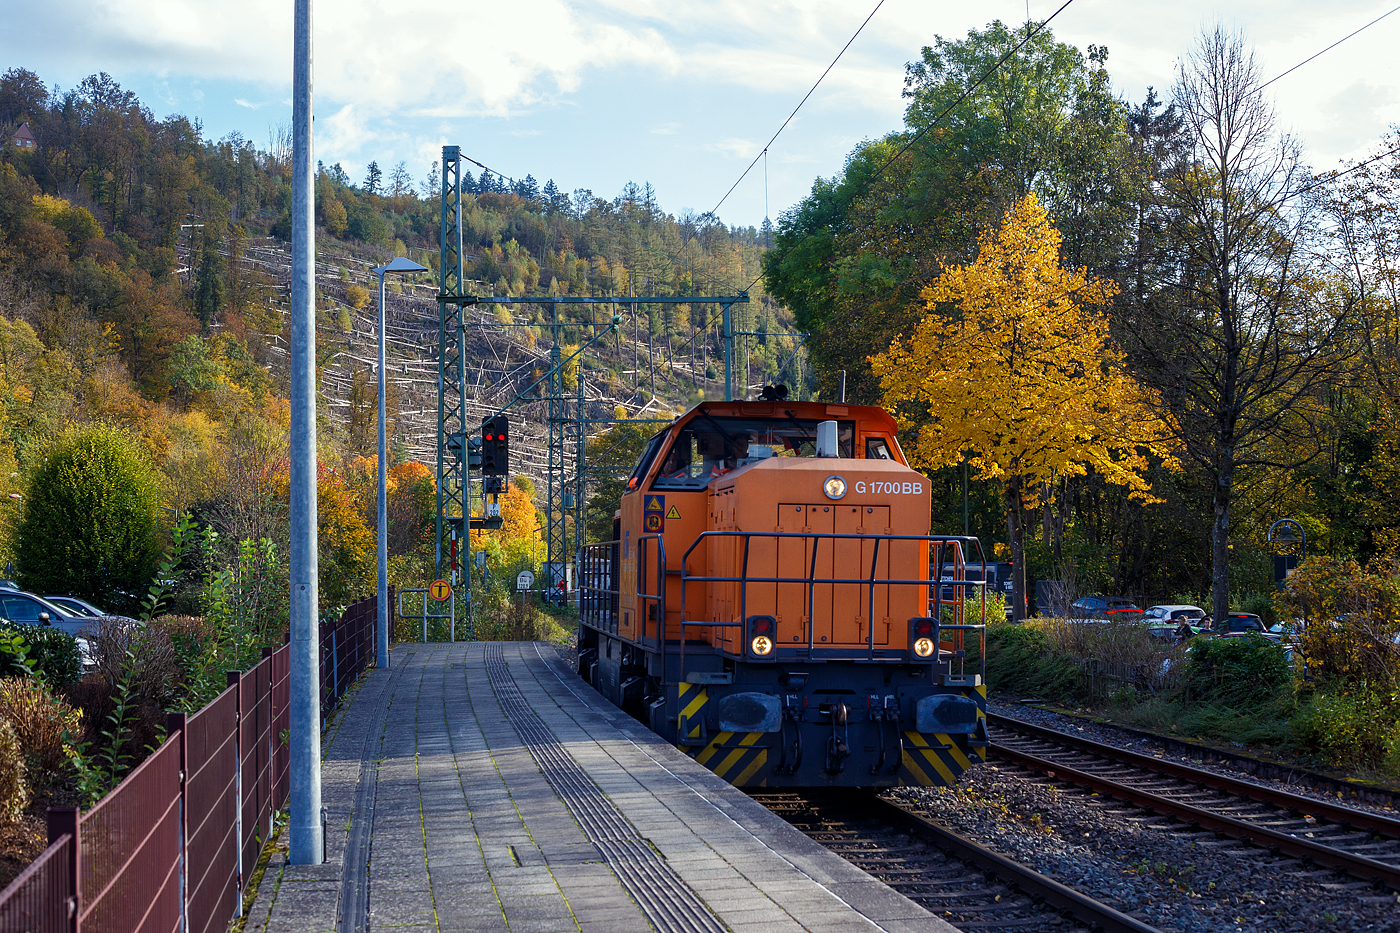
(90, 520)
(50, 653)
(1020, 659)
(1237, 672)
(1354, 729)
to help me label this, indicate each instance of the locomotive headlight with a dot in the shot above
(923, 647)
(834, 487)
(761, 645)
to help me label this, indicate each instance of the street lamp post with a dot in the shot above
(398, 264)
(1281, 532)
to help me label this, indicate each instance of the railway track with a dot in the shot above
(969, 885)
(1365, 845)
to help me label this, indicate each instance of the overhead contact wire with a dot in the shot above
(804, 100)
(1328, 49)
(1030, 34)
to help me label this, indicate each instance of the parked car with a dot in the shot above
(75, 606)
(1174, 613)
(19, 606)
(1163, 632)
(1104, 607)
(1243, 624)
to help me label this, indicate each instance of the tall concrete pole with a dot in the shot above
(306, 835)
(382, 557)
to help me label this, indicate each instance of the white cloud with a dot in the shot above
(735, 148)
(717, 76)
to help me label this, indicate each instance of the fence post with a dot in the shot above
(63, 820)
(235, 680)
(266, 703)
(335, 673)
(175, 727)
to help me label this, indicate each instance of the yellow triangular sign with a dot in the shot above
(673, 513)
(654, 504)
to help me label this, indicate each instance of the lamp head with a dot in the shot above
(399, 264)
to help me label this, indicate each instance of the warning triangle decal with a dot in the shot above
(674, 513)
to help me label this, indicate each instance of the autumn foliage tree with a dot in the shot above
(1010, 370)
(515, 542)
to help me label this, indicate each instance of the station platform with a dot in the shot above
(484, 787)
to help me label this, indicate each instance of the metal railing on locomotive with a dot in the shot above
(425, 615)
(598, 604)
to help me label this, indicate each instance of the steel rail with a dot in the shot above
(1357, 819)
(1030, 882)
(1358, 865)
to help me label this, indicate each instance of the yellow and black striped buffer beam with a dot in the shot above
(936, 760)
(737, 757)
(932, 760)
(693, 700)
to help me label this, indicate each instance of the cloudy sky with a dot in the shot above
(681, 93)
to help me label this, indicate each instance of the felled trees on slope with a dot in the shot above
(1009, 370)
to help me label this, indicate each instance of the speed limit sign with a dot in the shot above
(439, 590)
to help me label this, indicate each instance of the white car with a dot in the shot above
(1173, 614)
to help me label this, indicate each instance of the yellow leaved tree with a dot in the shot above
(1010, 370)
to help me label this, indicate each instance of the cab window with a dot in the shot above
(711, 446)
(644, 464)
(877, 448)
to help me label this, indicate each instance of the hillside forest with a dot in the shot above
(140, 289)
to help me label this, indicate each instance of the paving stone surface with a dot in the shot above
(468, 833)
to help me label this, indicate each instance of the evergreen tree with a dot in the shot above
(373, 177)
(431, 188)
(208, 279)
(529, 188)
(551, 197)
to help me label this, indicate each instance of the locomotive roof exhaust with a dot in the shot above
(826, 440)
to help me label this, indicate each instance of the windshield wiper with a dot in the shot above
(729, 438)
(793, 418)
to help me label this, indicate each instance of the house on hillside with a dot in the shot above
(22, 138)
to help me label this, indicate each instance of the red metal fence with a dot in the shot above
(170, 848)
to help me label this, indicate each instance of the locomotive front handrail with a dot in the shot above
(597, 555)
(660, 596)
(592, 556)
(811, 580)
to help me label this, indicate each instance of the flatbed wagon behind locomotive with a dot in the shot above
(768, 602)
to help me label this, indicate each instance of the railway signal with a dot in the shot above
(495, 446)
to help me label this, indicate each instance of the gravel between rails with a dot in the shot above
(878, 837)
(1147, 866)
(1111, 735)
(1151, 867)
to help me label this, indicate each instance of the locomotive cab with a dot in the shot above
(774, 613)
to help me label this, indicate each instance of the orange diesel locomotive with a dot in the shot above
(767, 603)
